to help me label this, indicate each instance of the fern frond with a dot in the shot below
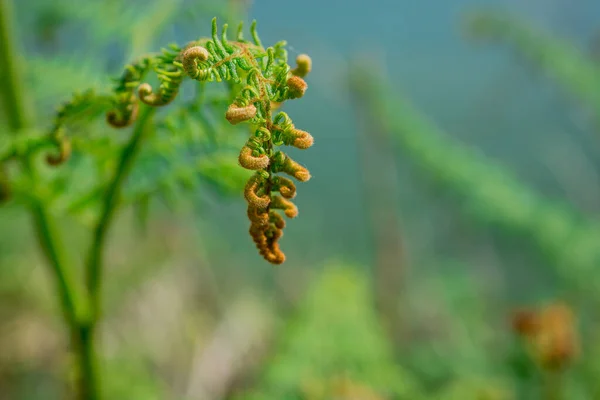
(258, 78)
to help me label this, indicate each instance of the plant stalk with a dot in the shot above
(11, 95)
(109, 207)
(76, 319)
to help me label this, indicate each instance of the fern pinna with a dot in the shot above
(259, 81)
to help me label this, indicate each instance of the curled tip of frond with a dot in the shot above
(236, 114)
(290, 210)
(265, 238)
(275, 256)
(285, 186)
(250, 161)
(301, 173)
(297, 87)
(148, 97)
(301, 139)
(271, 252)
(257, 216)
(257, 231)
(292, 168)
(303, 65)
(276, 219)
(64, 152)
(125, 117)
(190, 57)
(251, 190)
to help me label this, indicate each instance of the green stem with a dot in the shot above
(77, 321)
(12, 93)
(86, 353)
(49, 239)
(109, 207)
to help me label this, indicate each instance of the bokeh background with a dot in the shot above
(455, 182)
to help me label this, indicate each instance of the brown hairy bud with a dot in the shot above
(303, 65)
(275, 256)
(258, 235)
(296, 87)
(285, 186)
(556, 340)
(266, 233)
(64, 152)
(190, 57)
(290, 210)
(257, 216)
(251, 190)
(276, 219)
(271, 252)
(294, 169)
(300, 139)
(249, 161)
(551, 334)
(236, 114)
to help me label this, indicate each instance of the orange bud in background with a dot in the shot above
(550, 333)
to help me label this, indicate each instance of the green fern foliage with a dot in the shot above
(258, 80)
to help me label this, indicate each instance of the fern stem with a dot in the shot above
(11, 95)
(77, 321)
(109, 207)
(86, 353)
(49, 239)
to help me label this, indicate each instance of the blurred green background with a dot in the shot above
(455, 180)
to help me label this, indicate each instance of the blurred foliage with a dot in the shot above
(564, 61)
(488, 192)
(457, 337)
(334, 347)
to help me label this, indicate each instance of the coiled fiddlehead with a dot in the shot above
(260, 81)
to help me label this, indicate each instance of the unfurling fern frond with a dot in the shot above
(259, 78)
